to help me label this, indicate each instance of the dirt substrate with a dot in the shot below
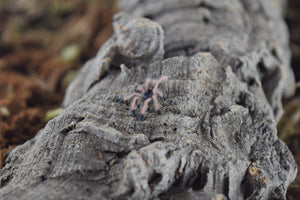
(43, 43)
(289, 126)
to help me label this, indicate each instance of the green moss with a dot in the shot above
(70, 53)
(53, 113)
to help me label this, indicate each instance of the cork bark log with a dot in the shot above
(227, 64)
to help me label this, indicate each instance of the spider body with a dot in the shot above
(145, 94)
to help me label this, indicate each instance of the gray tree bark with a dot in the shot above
(227, 64)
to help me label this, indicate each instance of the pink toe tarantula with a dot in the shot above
(145, 94)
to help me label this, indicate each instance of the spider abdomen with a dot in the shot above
(147, 94)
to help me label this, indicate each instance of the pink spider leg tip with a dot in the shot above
(157, 91)
(147, 82)
(130, 96)
(163, 78)
(144, 109)
(133, 104)
(156, 104)
(139, 102)
(140, 89)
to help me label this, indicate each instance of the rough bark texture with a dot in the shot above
(228, 67)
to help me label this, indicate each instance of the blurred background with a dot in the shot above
(43, 43)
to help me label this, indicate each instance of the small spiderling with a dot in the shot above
(145, 94)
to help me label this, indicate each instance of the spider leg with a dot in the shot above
(133, 103)
(144, 108)
(147, 82)
(139, 102)
(163, 78)
(140, 89)
(130, 96)
(157, 91)
(156, 104)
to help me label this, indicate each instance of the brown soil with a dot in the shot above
(41, 42)
(289, 126)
